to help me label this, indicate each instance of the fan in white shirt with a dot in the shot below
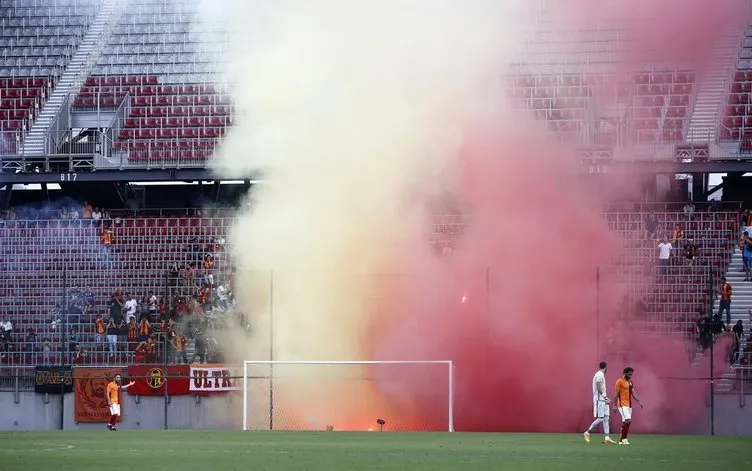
(664, 250)
(131, 306)
(600, 405)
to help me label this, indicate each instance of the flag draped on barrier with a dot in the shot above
(53, 379)
(152, 379)
(90, 385)
(210, 379)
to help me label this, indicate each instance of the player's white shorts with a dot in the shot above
(626, 413)
(600, 409)
(114, 409)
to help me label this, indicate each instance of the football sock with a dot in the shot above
(113, 419)
(626, 429)
(594, 425)
(623, 431)
(606, 427)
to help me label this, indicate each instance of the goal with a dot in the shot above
(348, 395)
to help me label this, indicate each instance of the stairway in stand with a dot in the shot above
(741, 304)
(711, 90)
(79, 67)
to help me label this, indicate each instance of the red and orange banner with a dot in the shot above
(89, 385)
(151, 380)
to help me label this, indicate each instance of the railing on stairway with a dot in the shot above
(96, 51)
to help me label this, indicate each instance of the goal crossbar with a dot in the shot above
(448, 363)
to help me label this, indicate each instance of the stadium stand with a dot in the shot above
(47, 260)
(37, 39)
(660, 103)
(737, 123)
(673, 296)
(177, 111)
(562, 101)
(658, 109)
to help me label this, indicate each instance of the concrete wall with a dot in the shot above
(733, 415)
(41, 412)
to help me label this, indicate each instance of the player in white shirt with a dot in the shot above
(600, 405)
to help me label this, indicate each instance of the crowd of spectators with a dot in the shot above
(182, 318)
(85, 211)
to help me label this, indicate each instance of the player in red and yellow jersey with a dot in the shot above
(623, 399)
(113, 399)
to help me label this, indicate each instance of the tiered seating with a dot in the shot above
(737, 122)
(160, 38)
(166, 122)
(660, 105)
(675, 294)
(37, 39)
(177, 113)
(561, 100)
(20, 100)
(42, 258)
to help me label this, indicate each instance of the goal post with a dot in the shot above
(348, 395)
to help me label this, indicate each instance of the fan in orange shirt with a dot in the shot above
(623, 399)
(113, 399)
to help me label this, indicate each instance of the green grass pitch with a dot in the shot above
(344, 451)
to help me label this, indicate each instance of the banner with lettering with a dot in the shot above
(90, 385)
(211, 379)
(53, 379)
(151, 380)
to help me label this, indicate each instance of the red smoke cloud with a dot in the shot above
(525, 354)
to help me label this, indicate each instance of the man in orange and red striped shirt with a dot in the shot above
(623, 398)
(113, 399)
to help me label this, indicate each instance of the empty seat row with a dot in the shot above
(195, 121)
(172, 133)
(151, 89)
(33, 31)
(198, 70)
(147, 144)
(167, 111)
(162, 48)
(173, 58)
(90, 100)
(43, 21)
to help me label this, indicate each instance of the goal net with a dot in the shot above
(348, 395)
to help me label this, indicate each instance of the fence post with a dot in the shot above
(598, 313)
(271, 349)
(165, 352)
(63, 352)
(712, 360)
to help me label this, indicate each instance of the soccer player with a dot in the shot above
(600, 405)
(625, 392)
(113, 399)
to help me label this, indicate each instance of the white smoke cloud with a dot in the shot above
(353, 110)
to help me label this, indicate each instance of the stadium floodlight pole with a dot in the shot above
(448, 363)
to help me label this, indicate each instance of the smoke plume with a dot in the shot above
(360, 113)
